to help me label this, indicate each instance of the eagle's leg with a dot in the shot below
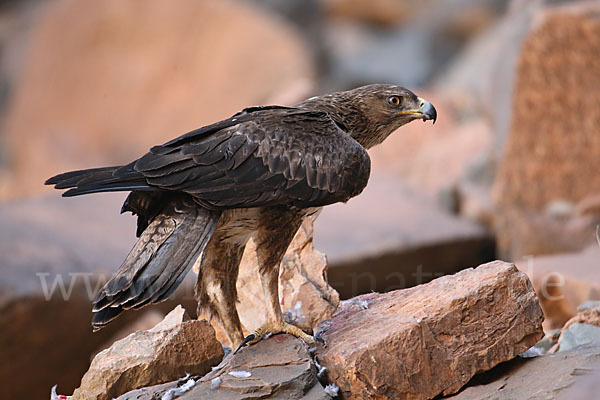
(216, 291)
(275, 232)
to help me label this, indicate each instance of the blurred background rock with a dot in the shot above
(508, 171)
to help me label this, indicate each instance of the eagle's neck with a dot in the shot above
(349, 116)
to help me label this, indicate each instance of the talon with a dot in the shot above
(246, 340)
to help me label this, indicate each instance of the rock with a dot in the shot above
(173, 75)
(581, 330)
(419, 342)
(146, 321)
(554, 131)
(589, 205)
(171, 349)
(505, 68)
(277, 368)
(523, 233)
(378, 12)
(383, 239)
(563, 282)
(589, 316)
(579, 335)
(587, 385)
(556, 376)
(589, 305)
(545, 345)
(305, 294)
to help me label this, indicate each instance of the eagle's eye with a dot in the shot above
(394, 101)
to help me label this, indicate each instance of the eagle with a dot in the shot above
(257, 174)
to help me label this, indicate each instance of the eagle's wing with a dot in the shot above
(263, 156)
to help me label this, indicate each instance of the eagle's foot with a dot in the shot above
(273, 327)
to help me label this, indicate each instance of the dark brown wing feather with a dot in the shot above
(273, 156)
(260, 156)
(159, 261)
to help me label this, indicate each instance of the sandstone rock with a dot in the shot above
(146, 321)
(554, 132)
(109, 79)
(544, 346)
(391, 237)
(523, 233)
(589, 205)
(171, 349)
(563, 282)
(305, 295)
(556, 376)
(378, 12)
(589, 316)
(419, 342)
(277, 368)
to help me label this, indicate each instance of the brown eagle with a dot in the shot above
(258, 173)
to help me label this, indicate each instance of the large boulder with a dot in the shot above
(554, 135)
(554, 131)
(420, 342)
(104, 81)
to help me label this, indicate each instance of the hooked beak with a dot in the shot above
(427, 110)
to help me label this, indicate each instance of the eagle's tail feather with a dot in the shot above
(105, 179)
(158, 262)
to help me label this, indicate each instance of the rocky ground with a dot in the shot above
(478, 333)
(508, 172)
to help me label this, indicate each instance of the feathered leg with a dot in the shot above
(216, 291)
(276, 230)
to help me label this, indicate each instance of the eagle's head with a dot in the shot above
(371, 113)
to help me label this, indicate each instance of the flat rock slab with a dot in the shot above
(420, 342)
(277, 368)
(384, 239)
(568, 375)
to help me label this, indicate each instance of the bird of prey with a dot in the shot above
(257, 174)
